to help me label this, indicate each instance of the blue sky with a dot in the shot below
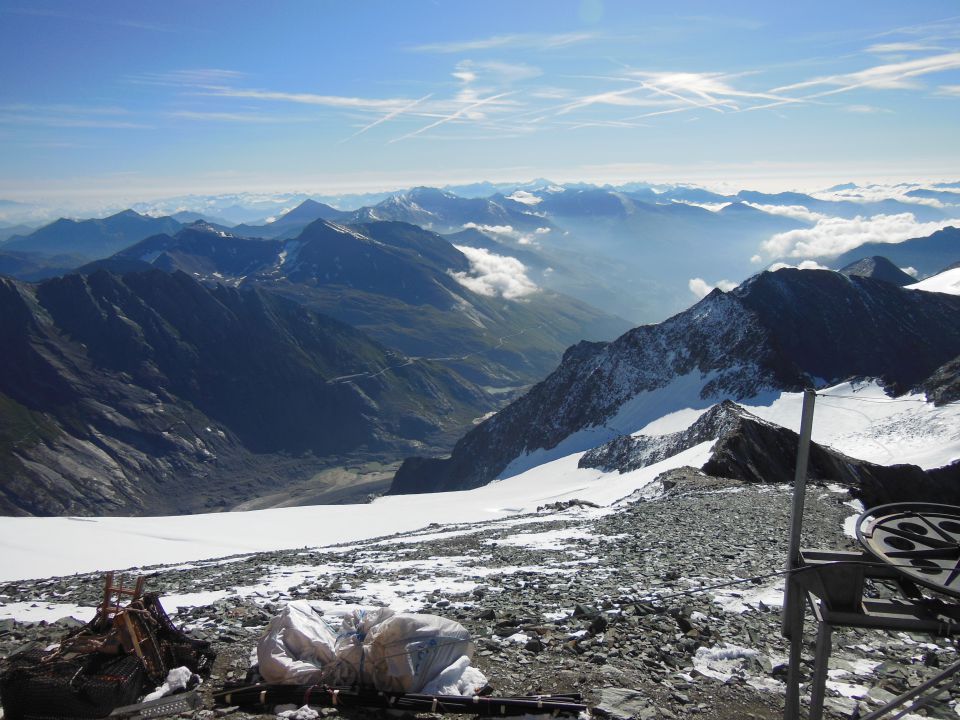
(129, 100)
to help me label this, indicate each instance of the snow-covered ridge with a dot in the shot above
(858, 419)
(946, 282)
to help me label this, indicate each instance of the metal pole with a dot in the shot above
(796, 515)
(792, 621)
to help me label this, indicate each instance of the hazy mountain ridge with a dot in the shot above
(632, 250)
(778, 331)
(94, 238)
(394, 281)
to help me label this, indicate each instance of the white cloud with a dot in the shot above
(805, 265)
(701, 288)
(494, 275)
(797, 212)
(522, 196)
(508, 231)
(712, 207)
(911, 271)
(756, 259)
(832, 236)
(953, 90)
(877, 192)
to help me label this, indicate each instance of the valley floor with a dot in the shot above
(592, 599)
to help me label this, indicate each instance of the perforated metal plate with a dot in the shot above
(921, 540)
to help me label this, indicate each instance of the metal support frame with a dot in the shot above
(831, 583)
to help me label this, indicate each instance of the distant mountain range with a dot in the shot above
(151, 393)
(777, 331)
(394, 281)
(637, 251)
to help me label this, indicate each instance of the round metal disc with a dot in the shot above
(920, 540)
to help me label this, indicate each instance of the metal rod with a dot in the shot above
(799, 492)
(910, 694)
(791, 707)
(821, 664)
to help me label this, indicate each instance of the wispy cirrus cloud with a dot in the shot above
(390, 116)
(890, 76)
(188, 77)
(866, 109)
(534, 41)
(463, 111)
(335, 101)
(89, 17)
(496, 71)
(892, 48)
(69, 116)
(235, 117)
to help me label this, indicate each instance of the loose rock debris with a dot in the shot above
(600, 601)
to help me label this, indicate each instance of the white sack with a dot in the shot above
(375, 648)
(408, 651)
(296, 646)
(352, 646)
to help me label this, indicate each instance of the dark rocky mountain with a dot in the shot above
(200, 250)
(928, 255)
(777, 331)
(151, 393)
(392, 280)
(292, 223)
(943, 386)
(92, 239)
(750, 449)
(878, 268)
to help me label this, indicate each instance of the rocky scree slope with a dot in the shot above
(603, 601)
(149, 392)
(777, 331)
